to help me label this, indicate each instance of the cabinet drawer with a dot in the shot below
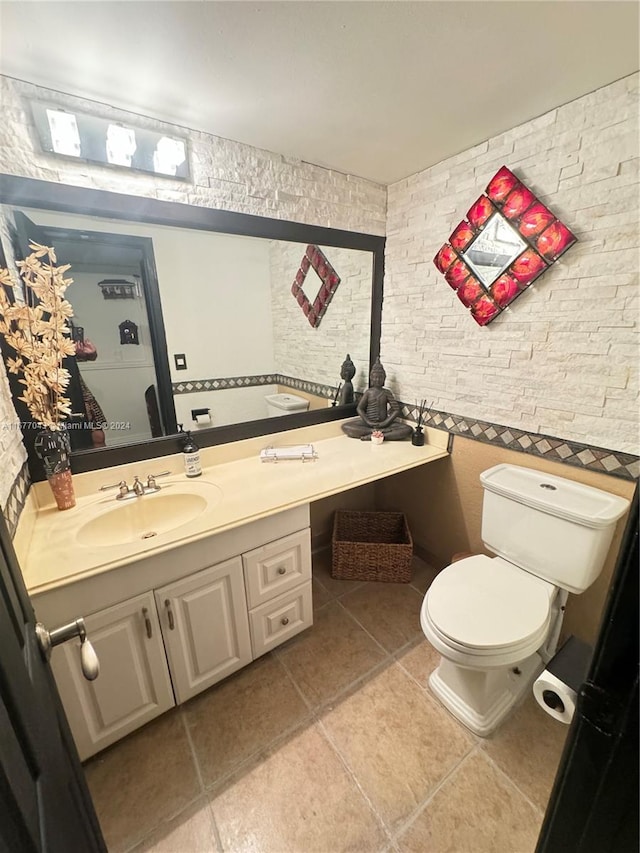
(277, 567)
(278, 620)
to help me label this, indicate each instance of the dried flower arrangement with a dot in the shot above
(39, 333)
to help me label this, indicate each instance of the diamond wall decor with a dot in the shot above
(315, 259)
(508, 239)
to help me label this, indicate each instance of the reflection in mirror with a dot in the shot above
(495, 247)
(227, 308)
(185, 319)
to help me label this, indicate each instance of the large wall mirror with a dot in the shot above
(187, 315)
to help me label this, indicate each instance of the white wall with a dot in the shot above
(120, 375)
(563, 359)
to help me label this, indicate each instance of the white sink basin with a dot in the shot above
(148, 516)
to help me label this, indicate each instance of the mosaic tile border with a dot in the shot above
(223, 383)
(16, 499)
(614, 462)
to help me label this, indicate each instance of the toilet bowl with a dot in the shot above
(488, 620)
(495, 621)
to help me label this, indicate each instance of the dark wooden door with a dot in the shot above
(45, 805)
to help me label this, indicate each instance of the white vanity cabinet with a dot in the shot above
(205, 627)
(178, 622)
(278, 582)
(134, 684)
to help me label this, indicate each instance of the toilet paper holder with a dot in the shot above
(201, 415)
(557, 686)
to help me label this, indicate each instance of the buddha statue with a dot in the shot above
(378, 410)
(347, 372)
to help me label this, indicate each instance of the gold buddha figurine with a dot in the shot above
(378, 410)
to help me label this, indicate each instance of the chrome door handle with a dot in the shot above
(88, 657)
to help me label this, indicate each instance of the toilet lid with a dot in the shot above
(487, 603)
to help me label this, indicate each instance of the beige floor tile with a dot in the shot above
(241, 716)
(322, 572)
(192, 831)
(419, 660)
(397, 742)
(390, 612)
(143, 780)
(320, 594)
(422, 575)
(528, 748)
(475, 811)
(330, 655)
(299, 799)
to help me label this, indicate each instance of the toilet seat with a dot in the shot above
(487, 610)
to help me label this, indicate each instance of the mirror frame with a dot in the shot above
(46, 195)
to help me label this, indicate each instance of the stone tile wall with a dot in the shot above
(563, 359)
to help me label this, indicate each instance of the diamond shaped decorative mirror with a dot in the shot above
(508, 239)
(314, 310)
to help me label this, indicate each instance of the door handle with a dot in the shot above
(167, 604)
(88, 657)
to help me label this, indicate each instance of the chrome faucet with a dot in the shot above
(138, 489)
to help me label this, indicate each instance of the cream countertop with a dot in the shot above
(46, 541)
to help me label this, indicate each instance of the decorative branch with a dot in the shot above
(39, 333)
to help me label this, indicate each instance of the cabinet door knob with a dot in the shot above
(282, 570)
(147, 622)
(167, 604)
(284, 620)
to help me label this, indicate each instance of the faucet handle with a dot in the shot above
(122, 486)
(151, 479)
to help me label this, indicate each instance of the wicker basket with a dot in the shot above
(371, 546)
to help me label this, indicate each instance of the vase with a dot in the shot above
(53, 447)
(417, 438)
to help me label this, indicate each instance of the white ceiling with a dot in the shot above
(376, 89)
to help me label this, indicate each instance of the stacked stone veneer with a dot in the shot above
(563, 359)
(318, 353)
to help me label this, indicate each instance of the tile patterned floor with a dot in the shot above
(330, 743)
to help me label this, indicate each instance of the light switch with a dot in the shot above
(181, 361)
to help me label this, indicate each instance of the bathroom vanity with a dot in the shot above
(182, 587)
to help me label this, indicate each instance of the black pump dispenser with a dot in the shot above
(191, 454)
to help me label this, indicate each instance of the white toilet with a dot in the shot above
(496, 620)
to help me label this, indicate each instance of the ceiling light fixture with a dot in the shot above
(98, 140)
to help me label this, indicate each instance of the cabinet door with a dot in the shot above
(277, 567)
(205, 627)
(133, 686)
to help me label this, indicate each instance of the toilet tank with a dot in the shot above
(554, 528)
(285, 404)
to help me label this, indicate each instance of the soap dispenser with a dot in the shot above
(191, 454)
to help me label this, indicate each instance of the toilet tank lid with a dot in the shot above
(563, 498)
(289, 402)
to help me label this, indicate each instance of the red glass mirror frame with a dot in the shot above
(546, 238)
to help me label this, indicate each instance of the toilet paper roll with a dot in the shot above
(555, 697)
(203, 420)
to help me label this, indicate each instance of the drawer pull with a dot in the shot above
(147, 622)
(167, 604)
(282, 570)
(284, 620)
